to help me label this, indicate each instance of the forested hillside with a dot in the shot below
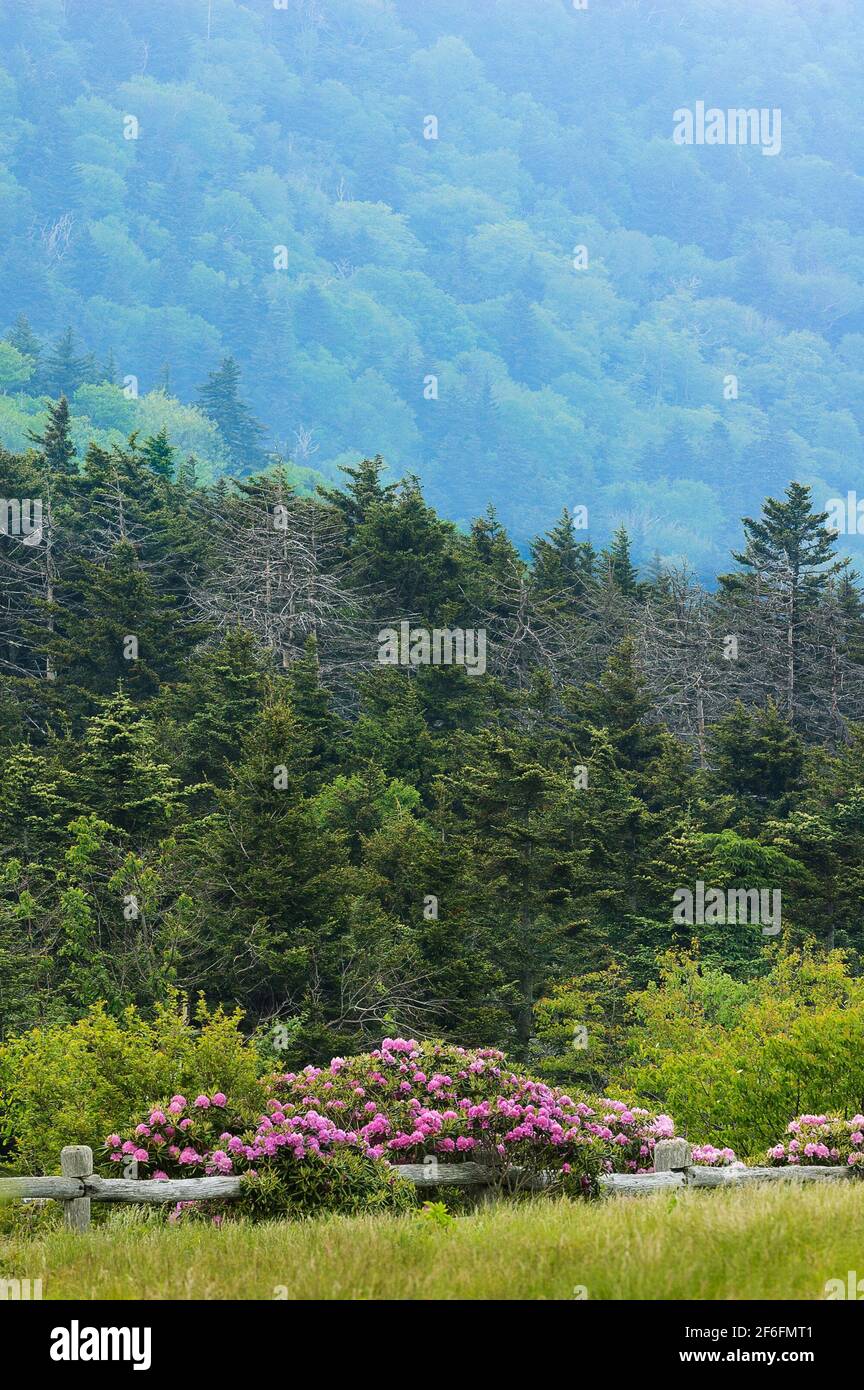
(458, 235)
(214, 780)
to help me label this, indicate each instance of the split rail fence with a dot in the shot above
(78, 1185)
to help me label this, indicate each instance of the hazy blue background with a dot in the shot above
(409, 257)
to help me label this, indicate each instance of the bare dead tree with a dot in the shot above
(55, 236)
(280, 574)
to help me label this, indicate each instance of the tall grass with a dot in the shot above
(761, 1243)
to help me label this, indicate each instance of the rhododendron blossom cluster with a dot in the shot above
(406, 1102)
(714, 1158)
(822, 1139)
(180, 1139)
(409, 1102)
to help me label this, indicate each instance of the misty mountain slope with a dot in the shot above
(551, 303)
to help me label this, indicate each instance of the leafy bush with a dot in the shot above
(733, 1061)
(821, 1140)
(70, 1084)
(342, 1180)
(183, 1138)
(180, 1138)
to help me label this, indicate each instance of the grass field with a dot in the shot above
(762, 1243)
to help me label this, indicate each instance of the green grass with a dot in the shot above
(762, 1243)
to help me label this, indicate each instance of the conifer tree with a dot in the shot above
(220, 400)
(64, 370)
(757, 754)
(364, 490)
(563, 566)
(211, 710)
(621, 704)
(786, 565)
(55, 443)
(271, 878)
(121, 775)
(22, 337)
(159, 454)
(619, 570)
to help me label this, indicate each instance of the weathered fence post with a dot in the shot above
(76, 1161)
(671, 1155)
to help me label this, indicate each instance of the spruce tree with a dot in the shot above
(22, 337)
(270, 877)
(757, 754)
(55, 444)
(621, 705)
(121, 776)
(618, 568)
(158, 454)
(563, 565)
(364, 491)
(108, 372)
(786, 565)
(219, 398)
(64, 370)
(211, 710)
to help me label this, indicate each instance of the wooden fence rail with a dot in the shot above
(79, 1185)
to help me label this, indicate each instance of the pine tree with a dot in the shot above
(22, 337)
(64, 370)
(158, 454)
(311, 702)
(757, 754)
(109, 371)
(403, 546)
(55, 443)
(114, 625)
(219, 398)
(364, 491)
(563, 565)
(270, 878)
(621, 705)
(527, 869)
(121, 777)
(787, 563)
(494, 564)
(207, 715)
(617, 565)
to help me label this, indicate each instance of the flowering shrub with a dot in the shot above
(70, 1083)
(710, 1157)
(820, 1139)
(435, 1103)
(406, 1102)
(180, 1139)
(200, 1138)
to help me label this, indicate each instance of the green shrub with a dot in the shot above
(732, 1063)
(342, 1181)
(72, 1083)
